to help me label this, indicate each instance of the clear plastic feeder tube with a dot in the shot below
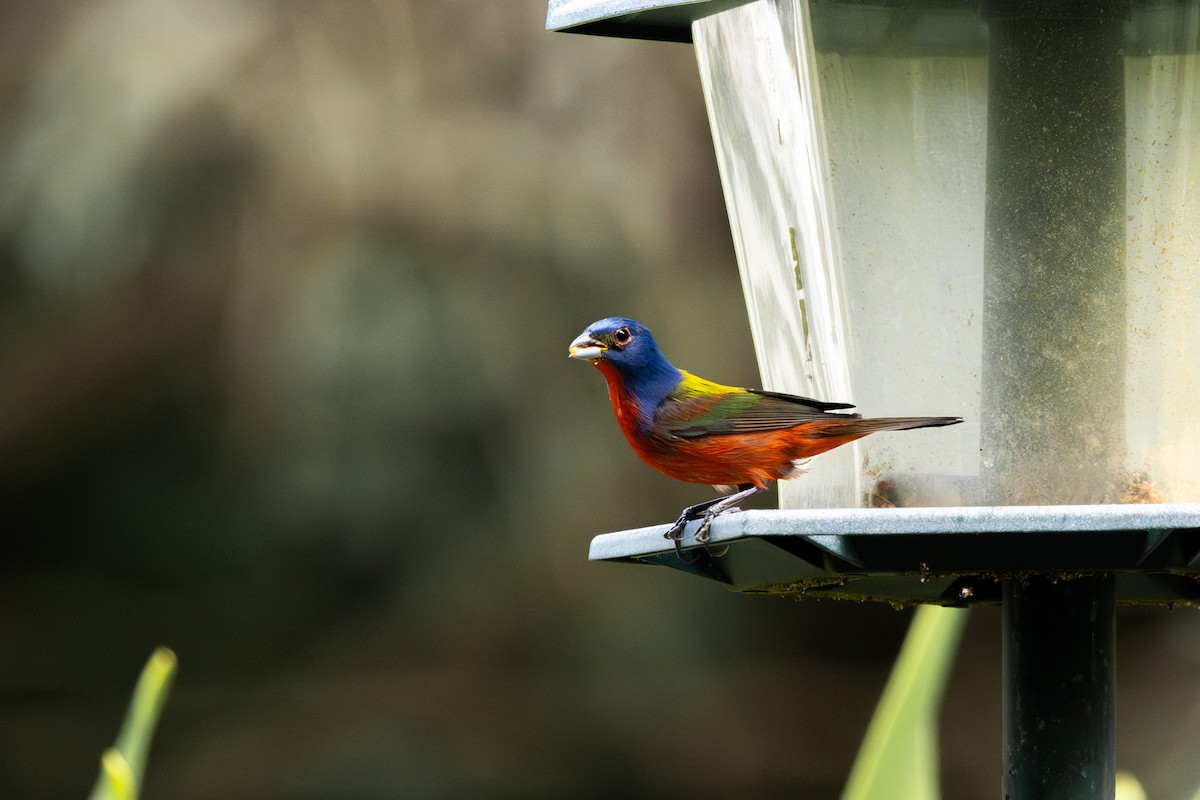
(940, 208)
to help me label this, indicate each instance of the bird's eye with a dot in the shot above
(622, 336)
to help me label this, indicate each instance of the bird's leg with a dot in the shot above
(725, 504)
(708, 511)
(690, 513)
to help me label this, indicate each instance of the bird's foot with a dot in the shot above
(707, 512)
(703, 536)
(675, 532)
(725, 505)
(682, 555)
(704, 532)
(698, 511)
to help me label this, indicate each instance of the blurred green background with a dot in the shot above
(285, 294)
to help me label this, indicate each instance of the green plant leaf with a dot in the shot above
(123, 765)
(898, 759)
(116, 777)
(1128, 787)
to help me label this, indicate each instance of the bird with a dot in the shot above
(695, 430)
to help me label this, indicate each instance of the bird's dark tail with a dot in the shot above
(861, 427)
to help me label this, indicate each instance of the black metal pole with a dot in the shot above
(1059, 671)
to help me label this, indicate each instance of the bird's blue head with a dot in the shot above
(624, 347)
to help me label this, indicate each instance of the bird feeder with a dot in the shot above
(988, 209)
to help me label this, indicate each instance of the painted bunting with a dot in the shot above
(695, 430)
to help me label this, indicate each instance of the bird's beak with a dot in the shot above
(586, 348)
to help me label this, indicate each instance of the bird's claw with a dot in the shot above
(703, 536)
(707, 513)
(704, 532)
(675, 532)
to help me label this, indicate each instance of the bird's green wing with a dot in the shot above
(697, 407)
